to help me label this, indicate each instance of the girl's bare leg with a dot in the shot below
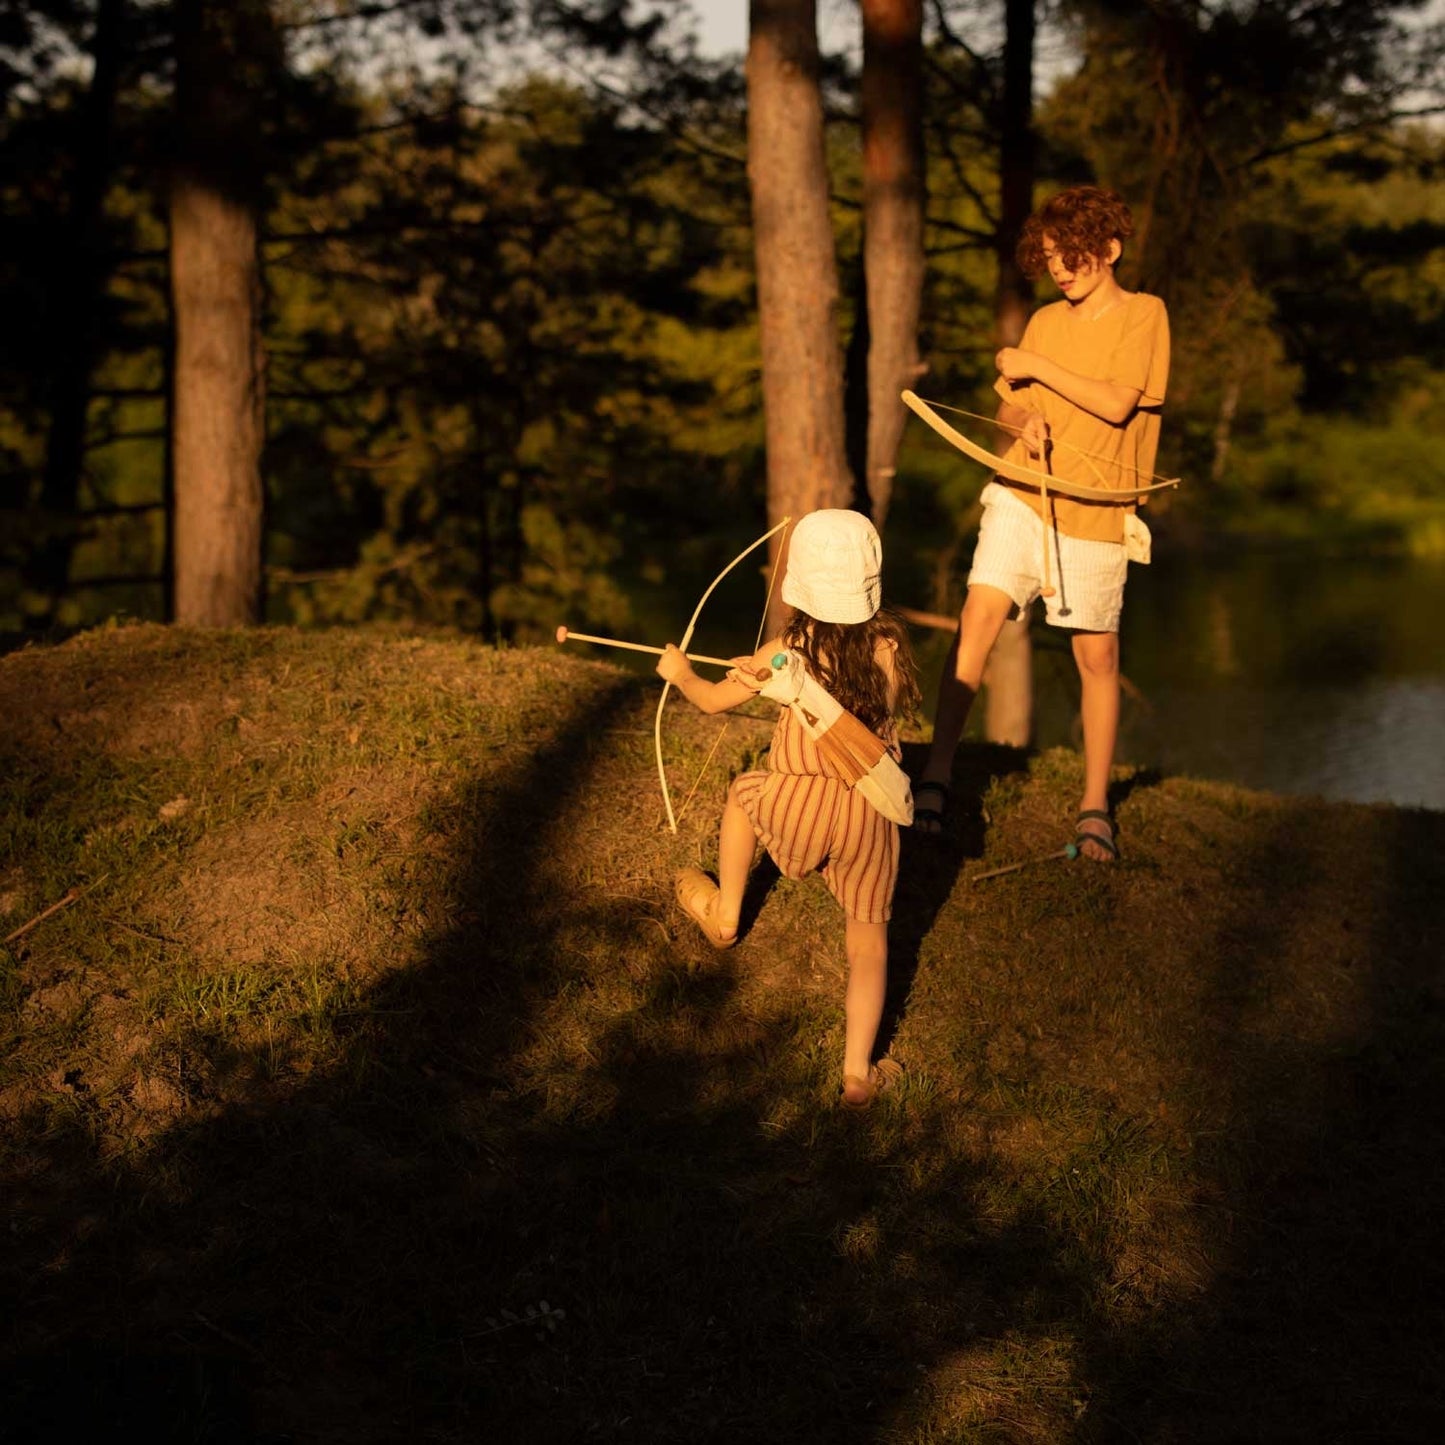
(985, 610)
(1097, 655)
(867, 949)
(736, 846)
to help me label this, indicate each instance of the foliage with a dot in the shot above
(1280, 215)
(512, 356)
(525, 340)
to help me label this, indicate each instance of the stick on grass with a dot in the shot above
(73, 896)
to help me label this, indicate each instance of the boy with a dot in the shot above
(1081, 394)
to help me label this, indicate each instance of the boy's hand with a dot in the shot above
(1034, 434)
(672, 665)
(1014, 364)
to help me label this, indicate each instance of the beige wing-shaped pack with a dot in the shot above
(860, 756)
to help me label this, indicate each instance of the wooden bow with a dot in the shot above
(682, 646)
(1026, 475)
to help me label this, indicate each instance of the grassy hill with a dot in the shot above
(374, 1089)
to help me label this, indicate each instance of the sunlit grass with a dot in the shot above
(378, 1028)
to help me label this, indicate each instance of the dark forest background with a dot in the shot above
(505, 367)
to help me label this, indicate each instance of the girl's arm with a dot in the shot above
(1105, 399)
(722, 696)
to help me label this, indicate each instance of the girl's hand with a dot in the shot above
(672, 665)
(1014, 364)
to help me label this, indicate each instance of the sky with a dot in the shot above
(723, 24)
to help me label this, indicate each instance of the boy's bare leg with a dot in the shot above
(1097, 656)
(985, 610)
(735, 848)
(867, 949)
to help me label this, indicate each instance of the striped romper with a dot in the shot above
(808, 818)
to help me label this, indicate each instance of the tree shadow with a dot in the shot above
(674, 1237)
(1319, 1168)
(930, 865)
(667, 1233)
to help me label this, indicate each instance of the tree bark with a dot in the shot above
(1014, 294)
(218, 401)
(893, 208)
(1008, 679)
(217, 410)
(1224, 429)
(797, 269)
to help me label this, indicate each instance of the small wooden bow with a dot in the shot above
(1026, 475)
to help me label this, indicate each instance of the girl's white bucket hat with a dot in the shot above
(835, 566)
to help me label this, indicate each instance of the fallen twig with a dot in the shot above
(73, 896)
(1069, 851)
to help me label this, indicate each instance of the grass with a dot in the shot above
(377, 1091)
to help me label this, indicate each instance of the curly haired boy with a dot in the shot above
(1081, 394)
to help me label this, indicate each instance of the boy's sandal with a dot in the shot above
(697, 896)
(881, 1077)
(929, 820)
(1104, 840)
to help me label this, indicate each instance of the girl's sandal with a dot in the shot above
(881, 1077)
(697, 896)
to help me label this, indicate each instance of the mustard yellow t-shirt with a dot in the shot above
(1127, 345)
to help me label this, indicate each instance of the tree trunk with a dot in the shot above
(218, 401)
(75, 314)
(1008, 683)
(1008, 679)
(1224, 429)
(217, 410)
(797, 266)
(1014, 294)
(893, 205)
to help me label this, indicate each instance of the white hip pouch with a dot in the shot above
(1137, 541)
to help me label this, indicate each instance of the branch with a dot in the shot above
(1336, 132)
(73, 896)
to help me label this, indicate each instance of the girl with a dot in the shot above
(833, 795)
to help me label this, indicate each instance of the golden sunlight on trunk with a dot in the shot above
(796, 266)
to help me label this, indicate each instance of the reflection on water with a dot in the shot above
(1378, 741)
(1318, 676)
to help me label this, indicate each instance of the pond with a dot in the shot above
(1306, 675)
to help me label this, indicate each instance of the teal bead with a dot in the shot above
(780, 659)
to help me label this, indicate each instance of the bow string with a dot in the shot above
(686, 638)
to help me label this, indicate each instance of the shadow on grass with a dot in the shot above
(678, 1239)
(931, 864)
(721, 1255)
(1321, 1171)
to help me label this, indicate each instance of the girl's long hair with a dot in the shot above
(843, 658)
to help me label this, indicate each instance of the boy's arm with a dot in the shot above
(1105, 399)
(713, 697)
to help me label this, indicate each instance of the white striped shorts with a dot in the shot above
(1088, 576)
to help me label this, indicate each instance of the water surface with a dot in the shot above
(1304, 675)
